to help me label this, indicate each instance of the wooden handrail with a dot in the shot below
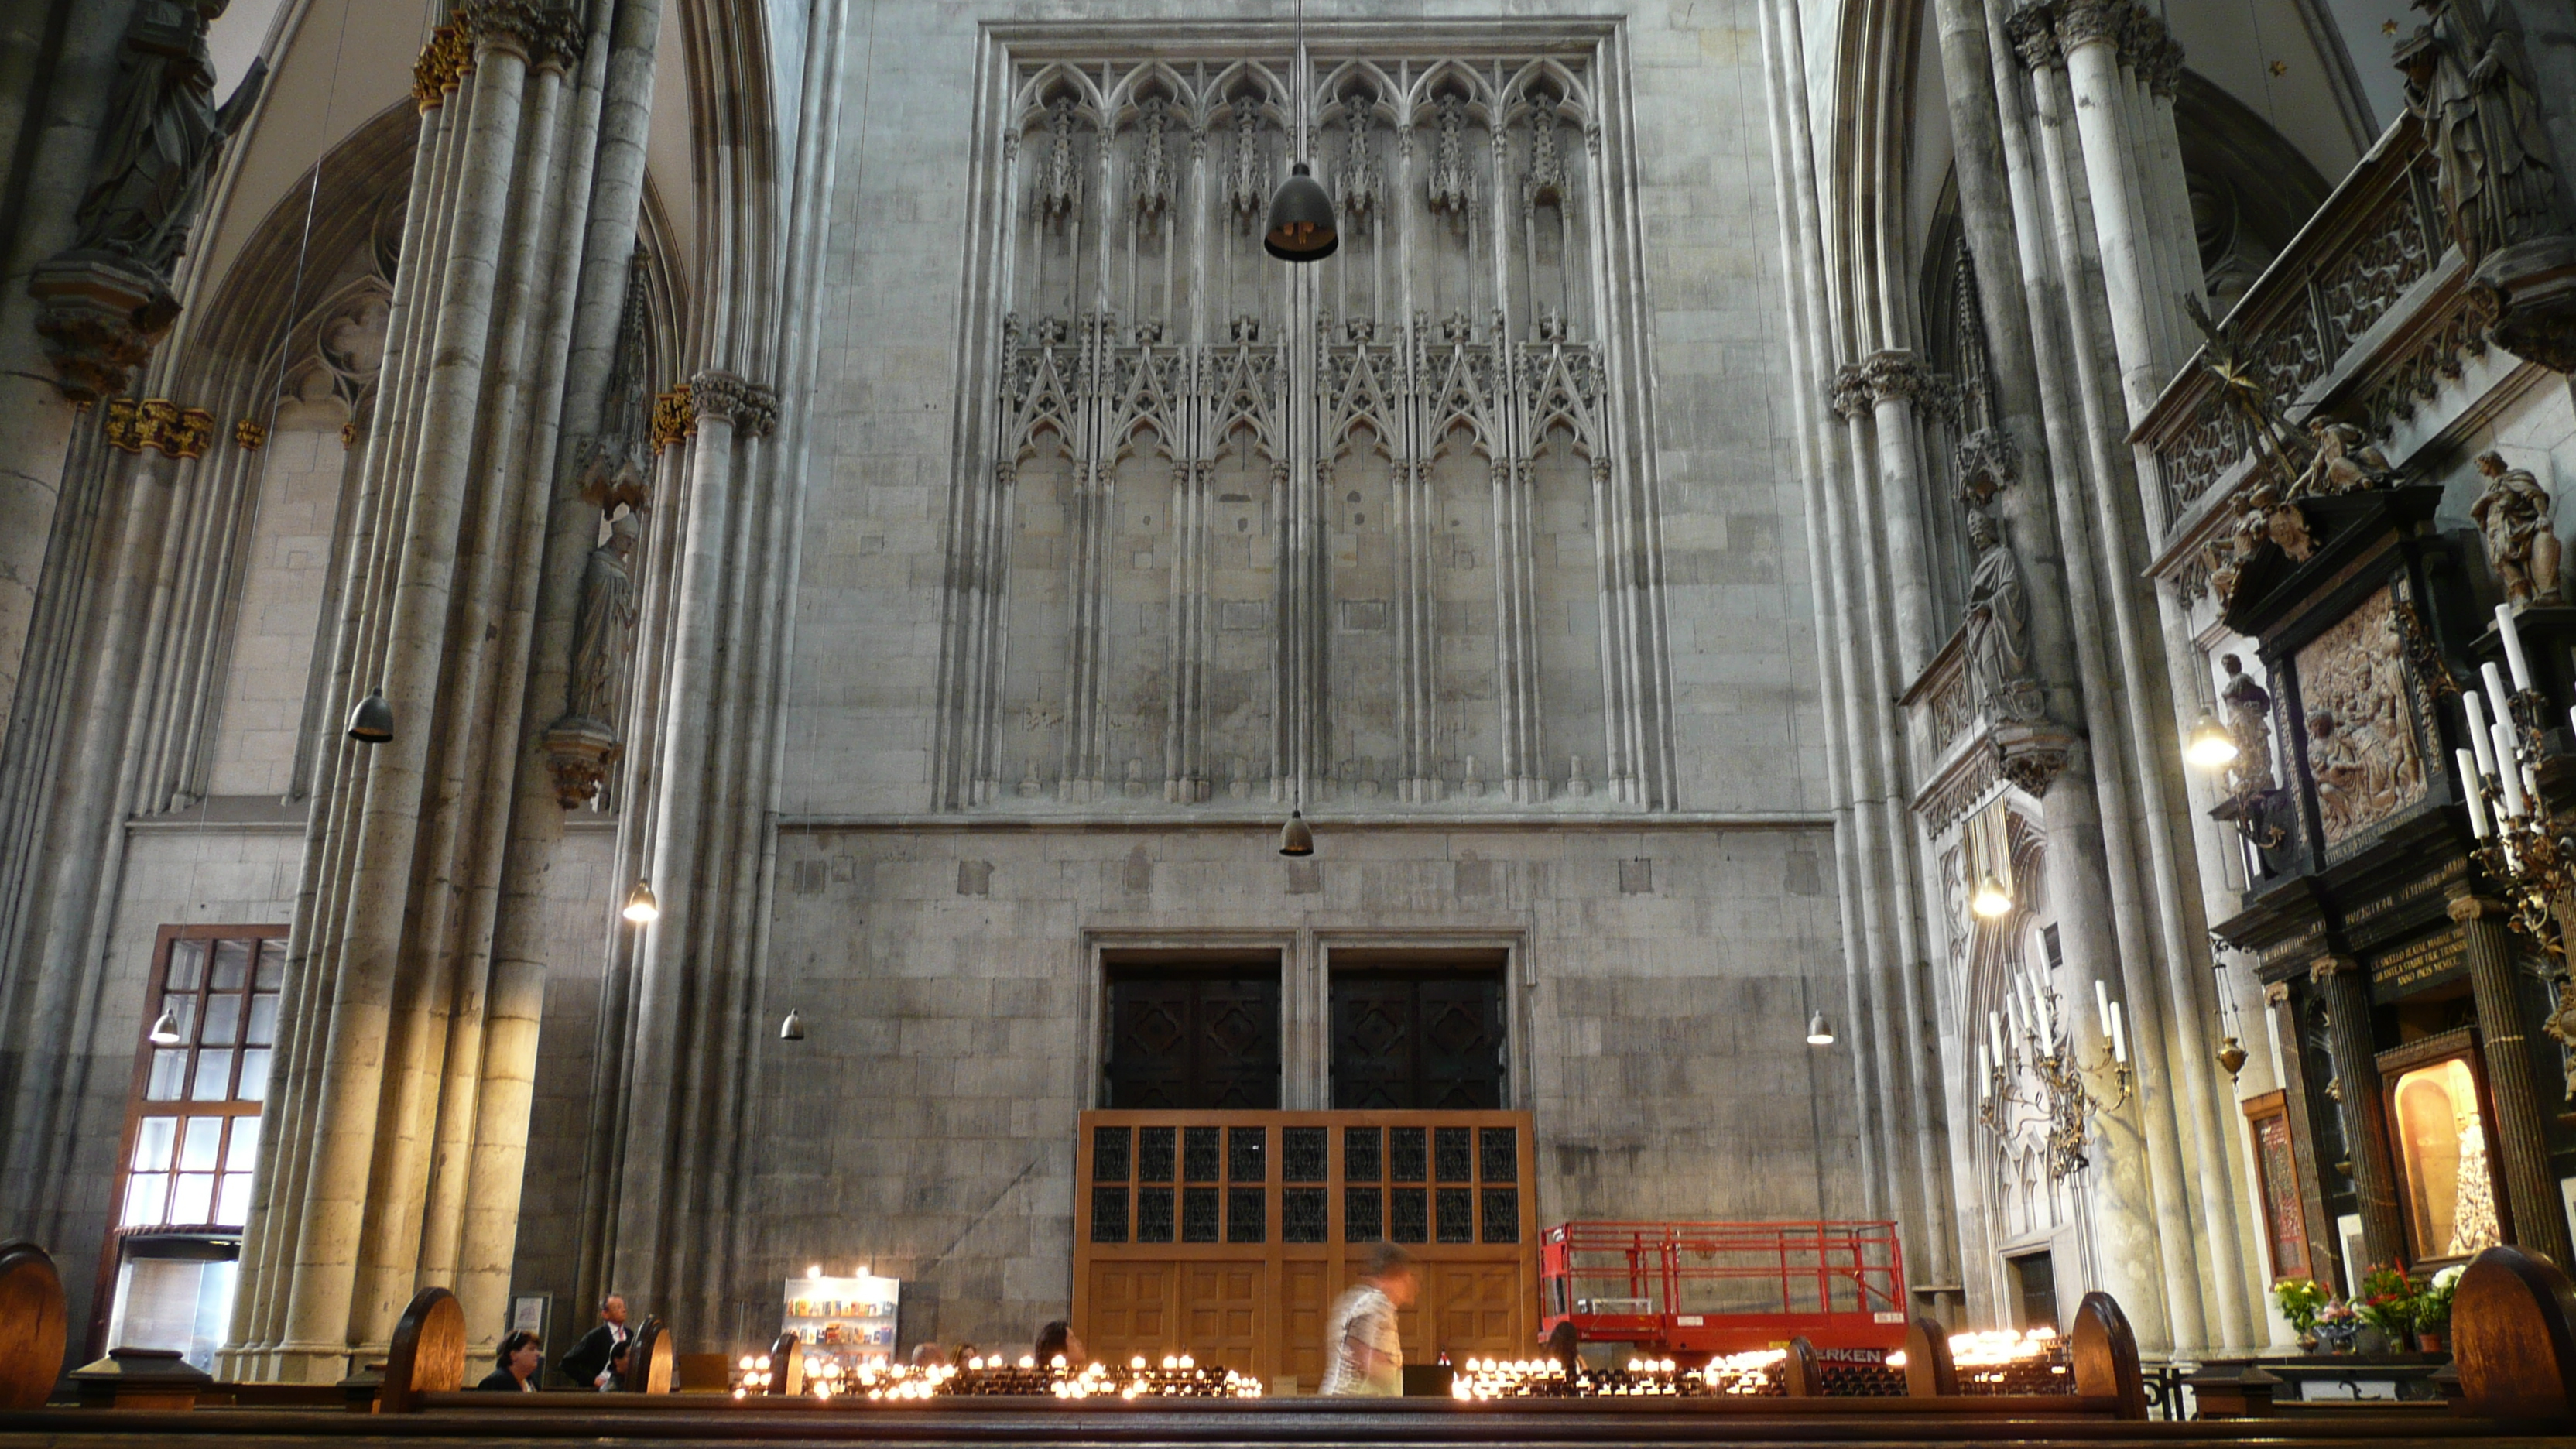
(428, 1354)
(2106, 1356)
(1930, 1373)
(31, 1325)
(2510, 1333)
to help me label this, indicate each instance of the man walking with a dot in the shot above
(1362, 1345)
(588, 1361)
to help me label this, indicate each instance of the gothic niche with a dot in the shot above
(1371, 523)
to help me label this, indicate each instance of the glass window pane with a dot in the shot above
(232, 965)
(182, 1007)
(153, 1137)
(145, 1195)
(272, 964)
(223, 1019)
(2449, 1184)
(198, 1144)
(214, 1079)
(169, 1075)
(194, 1202)
(187, 965)
(232, 1203)
(244, 1146)
(254, 1076)
(263, 1020)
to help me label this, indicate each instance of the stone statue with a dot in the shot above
(2470, 85)
(603, 624)
(1998, 623)
(2513, 516)
(2346, 461)
(2249, 723)
(162, 135)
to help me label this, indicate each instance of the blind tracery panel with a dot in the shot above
(1383, 521)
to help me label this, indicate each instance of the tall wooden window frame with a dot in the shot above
(218, 1072)
(2279, 1186)
(2459, 1044)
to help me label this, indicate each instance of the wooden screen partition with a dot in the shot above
(1227, 1235)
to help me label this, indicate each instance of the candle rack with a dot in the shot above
(2030, 1041)
(2519, 841)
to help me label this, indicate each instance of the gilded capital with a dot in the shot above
(2326, 967)
(2467, 906)
(674, 420)
(444, 62)
(134, 425)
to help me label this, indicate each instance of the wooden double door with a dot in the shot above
(1228, 1235)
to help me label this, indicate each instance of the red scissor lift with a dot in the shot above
(1719, 1288)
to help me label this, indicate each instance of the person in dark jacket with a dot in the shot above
(587, 1363)
(612, 1380)
(515, 1365)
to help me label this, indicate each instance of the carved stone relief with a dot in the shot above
(1374, 528)
(2364, 747)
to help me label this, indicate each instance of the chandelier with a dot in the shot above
(2029, 1062)
(2519, 843)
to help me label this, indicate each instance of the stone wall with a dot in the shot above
(948, 979)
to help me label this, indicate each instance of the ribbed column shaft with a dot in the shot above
(2522, 1139)
(2346, 990)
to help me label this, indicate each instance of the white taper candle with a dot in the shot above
(2479, 738)
(2497, 699)
(2475, 796)
(2508, 773)
(2513, 656)
(2119, 1040)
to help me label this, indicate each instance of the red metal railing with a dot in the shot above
(1725, 1287)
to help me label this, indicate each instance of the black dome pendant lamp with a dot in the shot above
(1301, 225)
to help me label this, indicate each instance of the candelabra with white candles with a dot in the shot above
(2031, 1039)
(2519, 844)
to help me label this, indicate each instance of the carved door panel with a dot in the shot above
(1195, 1043)
(1133, 1309)
(1226, 1310)
(1420, 1041)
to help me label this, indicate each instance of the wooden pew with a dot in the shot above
(2105, 1357)
(651, 1364)
(786, 1365)
(32, 1326)
(2513, 1334)
(428, 1352)
(1930, 1372)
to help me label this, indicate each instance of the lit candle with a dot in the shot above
(2476, 798)
(2513, 648)
(2478, 740)
(2496, 698)
(2119, 1040)
(2510, 776)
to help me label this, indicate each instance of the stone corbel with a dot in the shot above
(2033, 755)
(579, 754)
(102, 316)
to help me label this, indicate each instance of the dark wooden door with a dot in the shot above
(1418, 1041)
(1193, 1043)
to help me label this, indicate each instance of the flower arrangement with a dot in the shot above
(2387, 1302)
(2433, 1305)
(2338, 1326)
(2300, 1300)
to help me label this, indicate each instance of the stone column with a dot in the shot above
(1894, 378)
(2346, 989)
(2522, 1140)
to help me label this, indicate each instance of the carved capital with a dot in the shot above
(2467, 906)
(2276, 994)
(517, 26)
(1894, 374)
(250, 434)
(673, 419)
(2033, 33)
(749, 407)
(1848, 395)
(2163, 70)
(2087, 22)
(2032, 756)
(580, 751)
(102, 316)
(2326, 968)
(444, 62)
(134, 425)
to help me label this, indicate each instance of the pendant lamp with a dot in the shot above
(1295, 840)
(2209, 745)
(1301, 225)
(1820, 1032)
(641, 907)
(372, 722)
(792, 1029)
(165, 1029)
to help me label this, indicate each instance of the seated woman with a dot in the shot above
(515, 1365)
(1057, 1343)
(612, 1379)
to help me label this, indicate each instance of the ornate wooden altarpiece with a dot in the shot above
(2365, 912)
